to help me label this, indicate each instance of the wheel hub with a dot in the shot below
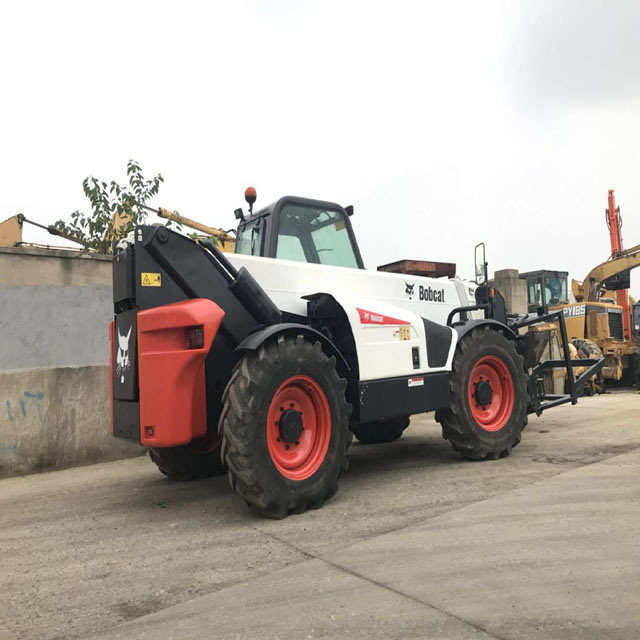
(298, 449)
(491, 393)
(483, 393)
(290, 426)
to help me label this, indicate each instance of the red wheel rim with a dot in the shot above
(495, 414)
(207, 444)
(300, 459)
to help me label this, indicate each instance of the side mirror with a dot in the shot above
(481, 265)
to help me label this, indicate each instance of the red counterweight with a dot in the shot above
(173, 342)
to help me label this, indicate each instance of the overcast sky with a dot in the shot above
(443, 123)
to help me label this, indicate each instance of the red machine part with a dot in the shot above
(173, 342)
(614, 222)
(112, 337)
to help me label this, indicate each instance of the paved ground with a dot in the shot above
(417, 543)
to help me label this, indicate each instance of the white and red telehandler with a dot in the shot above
(264, 363)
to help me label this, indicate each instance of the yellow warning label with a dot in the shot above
(404, 333)
(150, 279)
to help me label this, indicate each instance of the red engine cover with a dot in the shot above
(171, 375)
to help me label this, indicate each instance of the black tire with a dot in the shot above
(378, 432)
(259, 382)
(587, 348)
(459, 425)
(187, 463)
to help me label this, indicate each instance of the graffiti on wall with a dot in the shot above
(28, 407)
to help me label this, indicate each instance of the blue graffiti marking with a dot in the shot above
(10, 449)
(29, 396)
(37, 397)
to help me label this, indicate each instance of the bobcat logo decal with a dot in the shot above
(408, 289)
(122, 358)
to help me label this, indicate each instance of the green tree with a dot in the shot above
(98, 229)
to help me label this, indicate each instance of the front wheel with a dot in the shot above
(488, 388)
(285, 427)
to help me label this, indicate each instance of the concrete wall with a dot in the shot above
(56, 418)
(513, 289)
(55, 306)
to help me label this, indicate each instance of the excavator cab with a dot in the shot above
(302, 230)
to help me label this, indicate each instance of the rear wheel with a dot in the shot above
(199, 459)
(488, 397)
(285, 427)
(377, 432)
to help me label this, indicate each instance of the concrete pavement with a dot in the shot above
(417, 543)
(556, 559)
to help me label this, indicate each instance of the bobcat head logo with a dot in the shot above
(122, 358)
(408, 289)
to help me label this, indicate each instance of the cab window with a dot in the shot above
(319, 236)
(249, 242)
(535, 291)
(555, 290)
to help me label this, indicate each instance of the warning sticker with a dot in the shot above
(404, 333)
(416, 382)
(150, 279)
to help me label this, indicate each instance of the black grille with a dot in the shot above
(615, 325)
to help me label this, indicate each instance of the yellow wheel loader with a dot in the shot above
(597, 323)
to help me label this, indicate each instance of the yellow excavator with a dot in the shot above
(602, 321)
(11, 229)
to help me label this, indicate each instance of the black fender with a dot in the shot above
(463, 329)
(253, 341)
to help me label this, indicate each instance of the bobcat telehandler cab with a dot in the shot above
(265, 362)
